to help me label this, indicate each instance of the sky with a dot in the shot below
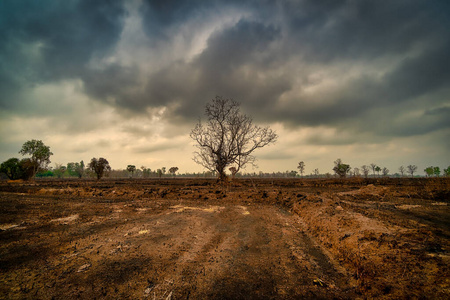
(364, 81)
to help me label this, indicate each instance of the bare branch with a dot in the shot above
(228, 138)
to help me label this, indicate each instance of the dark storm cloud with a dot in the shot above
(310, 33)
(358, 31)
(330, 30)
(116, 82)
(262, 59)
(47, 41)
(228, 66)
(161, 17)
(422, 74)
(428, 121)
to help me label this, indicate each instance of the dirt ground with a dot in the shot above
(252, 239)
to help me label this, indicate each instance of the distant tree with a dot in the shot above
(365, 170)
(374, 167)
(229, 137)
(173, 170)
(99, 166)
(412, 169)
(316, 172)
(436, 171)
(402, 170)
(145, 172)
(447, 171)
(45, 173)
(340, 168)
(12, 168)
(301, 167)
(131, 169)
(79, 169)
(385, 171)
(40, 154)
(378, 169)
(233, 171)
(159, 172)
(356, 172)
(71, 169)
(429, 171)
(59, 170)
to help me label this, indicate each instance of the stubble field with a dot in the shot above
(251, 239)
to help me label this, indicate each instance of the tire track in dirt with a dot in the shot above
(249, 252)
(191, 251)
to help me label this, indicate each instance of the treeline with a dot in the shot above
(37, 165)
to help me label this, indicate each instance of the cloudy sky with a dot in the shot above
(364, 81)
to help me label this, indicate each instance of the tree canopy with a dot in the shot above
(99, 166)
(340, 168)
(40, 154)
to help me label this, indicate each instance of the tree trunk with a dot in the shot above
(222, 176)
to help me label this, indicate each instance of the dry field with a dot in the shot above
(253, 239)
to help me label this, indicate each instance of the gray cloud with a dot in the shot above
(157, 148)
(52, 41)
(228, 66)
(162, 18)
(277, 156)
(352, 30)
(264, 58)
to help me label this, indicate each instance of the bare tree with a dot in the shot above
(385, 171)
(356, 171)
(316, 172)
(228, 138)
(233, 171)
(374, 168)
(402, 170)
(301, 167)
(365, 170)
(412, 169)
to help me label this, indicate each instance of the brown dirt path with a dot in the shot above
(170, 250)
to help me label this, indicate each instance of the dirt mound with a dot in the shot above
(385, 259)
(368, 190)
